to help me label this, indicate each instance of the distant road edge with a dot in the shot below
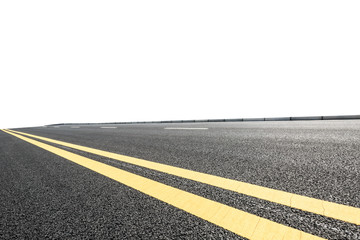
(304, 118)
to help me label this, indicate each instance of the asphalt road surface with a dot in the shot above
(45, 193)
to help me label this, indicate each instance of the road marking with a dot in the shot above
(108, 127)
(240, 222)
(180, 128)
(313, 205)
(56, 126)
(75, 127)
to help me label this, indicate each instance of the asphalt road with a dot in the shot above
(43, 195)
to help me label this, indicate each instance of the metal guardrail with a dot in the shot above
(304, 118)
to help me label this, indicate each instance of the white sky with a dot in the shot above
(106, 61)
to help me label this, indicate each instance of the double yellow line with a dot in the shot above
(239, 222)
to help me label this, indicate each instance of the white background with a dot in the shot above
(107, 61)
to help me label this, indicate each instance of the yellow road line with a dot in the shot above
(237, 221)
(313, 205)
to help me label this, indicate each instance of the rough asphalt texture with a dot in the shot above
(43, 195)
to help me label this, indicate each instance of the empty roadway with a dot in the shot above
(46, 195)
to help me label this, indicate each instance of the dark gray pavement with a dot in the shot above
(45, 195)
